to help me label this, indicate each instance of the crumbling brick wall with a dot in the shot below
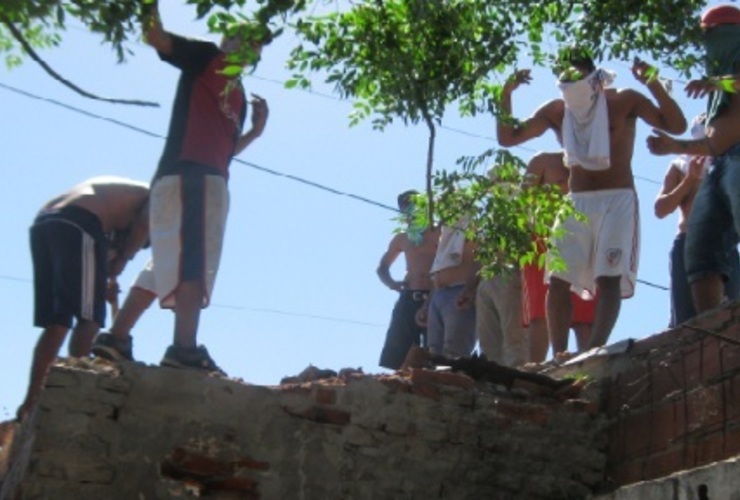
(672, 400)
(155, 433)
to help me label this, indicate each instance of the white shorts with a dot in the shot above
(186, 224)
(145, 279)
(606, 244)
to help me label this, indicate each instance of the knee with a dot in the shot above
(558, 286)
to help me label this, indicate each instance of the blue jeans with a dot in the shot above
(682, 305)
(450, 330)
(714, 222)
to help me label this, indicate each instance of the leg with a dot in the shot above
(188, 302)
(539, 343)
(682, 304)
(608, 303)
(137, 301)
(707, 292)
(508, 298)
(583, 333)
(487, 323)
(46, 351)
(82, 338)
(559, 313)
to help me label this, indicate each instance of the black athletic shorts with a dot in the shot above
(69, 251)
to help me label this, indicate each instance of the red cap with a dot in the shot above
(720, 14)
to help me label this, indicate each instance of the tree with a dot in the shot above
(412, 59)
(29, 25)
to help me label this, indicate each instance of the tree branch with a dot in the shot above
(32, 53)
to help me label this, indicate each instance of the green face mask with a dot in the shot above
(722, 47)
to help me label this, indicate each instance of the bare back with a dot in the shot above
(546, 169)
(115, 200)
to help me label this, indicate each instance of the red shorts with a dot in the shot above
(534, 290)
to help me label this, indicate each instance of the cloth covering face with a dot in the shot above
(722, 49)
(586, 121)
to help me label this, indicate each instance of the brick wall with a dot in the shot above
(673, 400)
(157, 433)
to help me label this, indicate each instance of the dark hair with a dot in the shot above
(574, 55)
(405, 197)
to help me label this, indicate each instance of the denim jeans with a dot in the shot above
(714, 222)
(682, 304)
(450, 330)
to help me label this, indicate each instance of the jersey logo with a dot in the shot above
(613, 256)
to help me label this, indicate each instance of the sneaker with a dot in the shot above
(108, 346)
(190, 357)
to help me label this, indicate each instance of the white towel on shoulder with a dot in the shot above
(450, 247)
(586, 121)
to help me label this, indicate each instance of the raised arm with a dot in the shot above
(667, 115)
(260, 112)
(154, 33)
(510, 132)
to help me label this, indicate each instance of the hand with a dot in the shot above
(522, 76)
(112, 290)
(260, 112)
(116, 266)
(696, 167)
(643, 72)
(697, 89)
(466, 298)
(660, 143)
(422, 315)
(398, 286)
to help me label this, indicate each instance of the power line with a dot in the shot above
(160, 136)
(243, 162)
(252, 309)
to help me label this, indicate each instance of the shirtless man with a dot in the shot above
(450, 311)
(548, 169)
(680, 185)
(715, 215)
(601, 255)
(419, 251)
(72, 263)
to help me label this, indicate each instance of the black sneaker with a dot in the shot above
(108, 346)
(190, 357)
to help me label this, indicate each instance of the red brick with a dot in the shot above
(421, 376)
(395, 383)
(582, 406)
(705, 411)
(325, 395)
(732, 397)
(663, 426)
(664, 464)
(523, 412)
(732, 441)
(636, 435)
(668, 377)
(709, 448)
(691, 361)
(627, 472)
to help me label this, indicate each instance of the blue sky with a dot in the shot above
(297, 283)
